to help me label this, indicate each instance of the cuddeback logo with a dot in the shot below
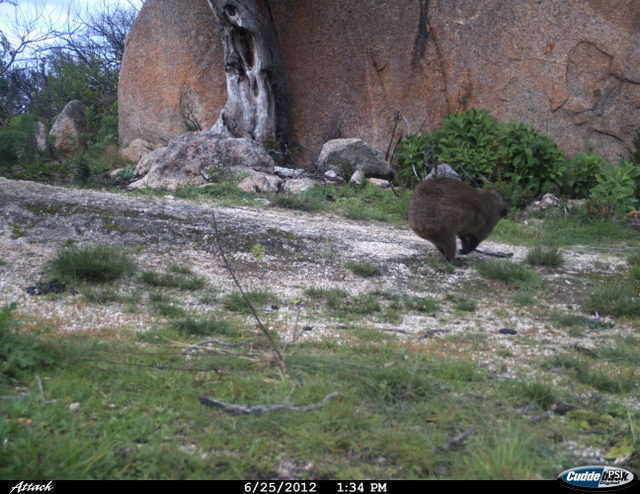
(597, 477)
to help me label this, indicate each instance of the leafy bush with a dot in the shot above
(415, 155)
(468, 142)
(581, 172)
(514, 155)
(617, 186)
(528, 159)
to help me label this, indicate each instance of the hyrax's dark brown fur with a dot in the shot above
(443, 208)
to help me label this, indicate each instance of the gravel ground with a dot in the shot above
(300, 250)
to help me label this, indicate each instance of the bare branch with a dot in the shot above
(250, 409)
(278, 354)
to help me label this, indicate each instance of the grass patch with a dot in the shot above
(602, 378)
(137, 415)
(508, 453)
(564, 230)
(235, 302)
(180, 277)
(19, 352)
(541, 393)
(103, 295)
(615, 299)
(90, 264)
(364, 269)
(547, 256)
(343, 305)
(205, 326)
(309, 203)
(461, 303)
(508, 272)
(165, 306)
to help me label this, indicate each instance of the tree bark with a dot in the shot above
(256, 104)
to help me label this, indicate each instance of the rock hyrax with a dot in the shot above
(443, 208)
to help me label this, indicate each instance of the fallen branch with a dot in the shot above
(245, 410)
(459, 439)
(494, 254)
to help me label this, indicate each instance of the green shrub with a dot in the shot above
(17, 139)
(617, 186)
(523, 162)
(91, 264)
(468, 142)
(415, 155)
(527, 159)
(580, 177)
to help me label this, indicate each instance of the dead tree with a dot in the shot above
(256, 104)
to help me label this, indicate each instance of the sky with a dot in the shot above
(53, 12)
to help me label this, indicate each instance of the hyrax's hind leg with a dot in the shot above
(469, 244)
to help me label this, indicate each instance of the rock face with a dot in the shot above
(68, 127)
(188, 158)
(357, 154)
(571, 69)
(172, 78)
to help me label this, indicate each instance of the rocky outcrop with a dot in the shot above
(189, 159)
(571, 69)
(67, 129)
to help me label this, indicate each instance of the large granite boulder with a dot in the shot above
(172, 78)
(571, 68)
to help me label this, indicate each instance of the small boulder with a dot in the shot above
(298, 185)
(187, 158)
(366, 161)
(68, 128)
(443, 170)
(261, 183)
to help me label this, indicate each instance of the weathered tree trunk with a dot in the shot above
(256, 98)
